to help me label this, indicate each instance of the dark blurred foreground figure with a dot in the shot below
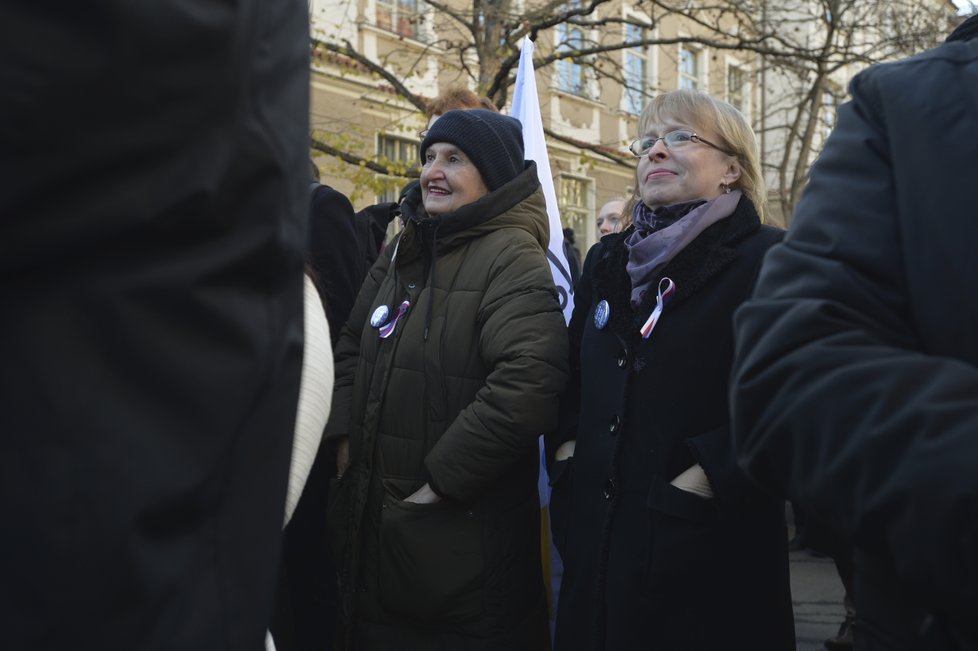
(856, 379)
(151, 275)
(665, 543)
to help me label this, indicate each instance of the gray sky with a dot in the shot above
(964, 6)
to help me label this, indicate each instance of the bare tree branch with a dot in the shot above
(347, 50)
(319, 144)
(601, 150)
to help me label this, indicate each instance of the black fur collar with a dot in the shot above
(692, 267)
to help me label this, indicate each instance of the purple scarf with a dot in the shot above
(659, 235)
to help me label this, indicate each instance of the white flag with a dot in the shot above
(526, 109)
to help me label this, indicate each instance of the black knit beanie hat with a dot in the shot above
(492, 141)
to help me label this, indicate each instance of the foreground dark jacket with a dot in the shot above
(457, 397)
(857, 375)
(648, 565)
(150, 342)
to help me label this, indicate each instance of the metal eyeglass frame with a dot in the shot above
(665, 139)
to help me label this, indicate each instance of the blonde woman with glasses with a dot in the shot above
(665, 543)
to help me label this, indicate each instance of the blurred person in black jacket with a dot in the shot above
(855, 387)
(151, 274)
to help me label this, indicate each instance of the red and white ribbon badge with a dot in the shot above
(667, 289)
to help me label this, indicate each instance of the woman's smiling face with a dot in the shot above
(449, 180)
(687, 173)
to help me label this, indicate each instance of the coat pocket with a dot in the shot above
(684, 536)
(431, 561)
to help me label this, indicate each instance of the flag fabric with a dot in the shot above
(526, 108)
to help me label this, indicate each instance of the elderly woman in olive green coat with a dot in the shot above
(447, 372)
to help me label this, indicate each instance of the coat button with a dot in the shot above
(622, 359)
(609, 490)
(614, 424)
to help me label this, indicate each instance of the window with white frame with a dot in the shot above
(636, 70)
(738, 91)
(571, 75)
(396, 151)
(575, 208)
(399, 16)
(689, 67)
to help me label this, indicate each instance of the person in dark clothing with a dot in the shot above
(373, 221)
(855, 387)
(151, 275)
(338, 254)
(573, 256)
(665, 543)
(337, 260)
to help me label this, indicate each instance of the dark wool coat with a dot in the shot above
(338, 251)
(648, 565)
(306, 604)
(857, 367)
(457, 397)
(151, 335)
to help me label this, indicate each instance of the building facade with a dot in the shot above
(378, 60)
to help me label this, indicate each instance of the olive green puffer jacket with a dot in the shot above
(455, 396)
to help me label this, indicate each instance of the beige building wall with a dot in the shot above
(363, 114)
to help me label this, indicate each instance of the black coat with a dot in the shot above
(339, 248)
(151, 336)
(647, 565)
(857, 369)
(339, 254)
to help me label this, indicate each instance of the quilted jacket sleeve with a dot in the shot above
(523, 341)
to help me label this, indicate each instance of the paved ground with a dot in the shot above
(816, 593)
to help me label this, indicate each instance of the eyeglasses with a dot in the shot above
(674, 140)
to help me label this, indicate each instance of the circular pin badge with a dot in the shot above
(379, 317)
(601, 314)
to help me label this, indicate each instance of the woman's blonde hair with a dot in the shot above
(700, 111)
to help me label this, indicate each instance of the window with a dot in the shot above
(571, 75)
(574, 209)
(636, 71)
(399, 16)
(395, 150)
(689, 68)
(737, 91)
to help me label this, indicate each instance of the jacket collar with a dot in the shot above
(691, 269)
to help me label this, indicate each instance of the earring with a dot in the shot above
(725, 187)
